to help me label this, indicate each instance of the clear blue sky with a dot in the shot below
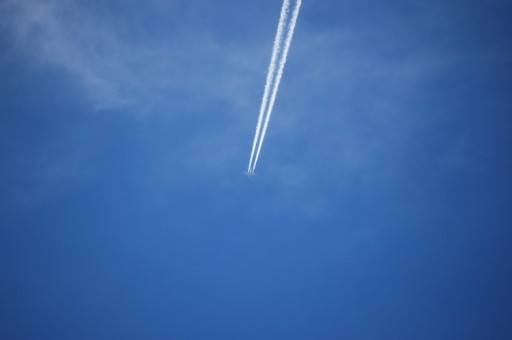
(381, 207)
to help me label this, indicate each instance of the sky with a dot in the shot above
(381, 204)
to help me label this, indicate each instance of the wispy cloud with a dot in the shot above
(57, 33)
(122, 64)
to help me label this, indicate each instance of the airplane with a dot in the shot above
(249, 173)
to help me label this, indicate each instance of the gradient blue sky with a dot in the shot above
(381, 208)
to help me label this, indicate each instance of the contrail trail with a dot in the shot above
(282, 62)
(278, 40)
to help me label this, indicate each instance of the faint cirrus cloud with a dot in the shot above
(132, 67)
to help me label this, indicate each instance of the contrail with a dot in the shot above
(278, 40)
(282, 62)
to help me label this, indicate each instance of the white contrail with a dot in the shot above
(282, 62)
(278, 40)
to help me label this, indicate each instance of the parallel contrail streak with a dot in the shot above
(278, 40)
(282, 62)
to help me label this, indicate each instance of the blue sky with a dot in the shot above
(381, 204)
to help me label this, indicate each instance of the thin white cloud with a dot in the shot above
(127, 67)
(59, 34)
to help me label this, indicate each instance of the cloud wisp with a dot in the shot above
(280, 50)
(117, 64)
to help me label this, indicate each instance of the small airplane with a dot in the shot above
(249, 173)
